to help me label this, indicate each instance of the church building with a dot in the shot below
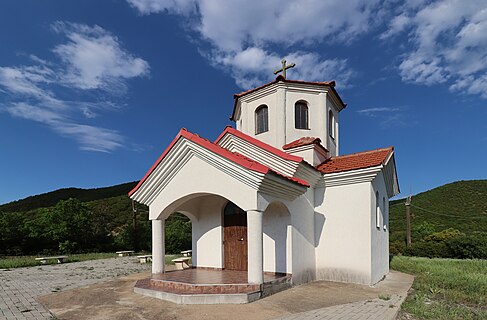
(273, 194)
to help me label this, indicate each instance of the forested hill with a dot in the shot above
(441, 214)
(461, 205)
(52, 198)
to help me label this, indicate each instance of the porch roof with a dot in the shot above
(235, 157)
(258, 143)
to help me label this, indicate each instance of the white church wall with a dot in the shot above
(275, 117)
(281, 99)
(331, 143)
(303, 240)
(380, 235)
(343, 240)
(195, 178)
(277, 239)
(316, 115)
(207, 233)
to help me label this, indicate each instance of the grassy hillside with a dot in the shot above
(52, 198)
(459, 205)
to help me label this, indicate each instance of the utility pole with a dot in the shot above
(134, 223)
(408, 222)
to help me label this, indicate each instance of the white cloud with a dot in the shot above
(155, 6)
(420, 69)
(29, 82)
(449, 44)
(373, 111)
(249, 38)
(235, 25)
(91, 59)
(95, 59)
(254, 66)
(472, 85)
(445, 40)
(387, 116)
(34, 113)
(24, 80)
(90, 138)
(397, 25)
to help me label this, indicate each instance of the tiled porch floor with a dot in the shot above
(202, 281)
(204, 276)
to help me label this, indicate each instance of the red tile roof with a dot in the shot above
(360, 160)
(233, 156)
(259, 144)
(304, 141)
(279, 78)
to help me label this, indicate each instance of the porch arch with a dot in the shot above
(277, 240)
(205, 212)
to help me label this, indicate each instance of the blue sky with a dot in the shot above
(91, 92)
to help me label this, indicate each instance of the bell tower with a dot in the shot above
(283, 111)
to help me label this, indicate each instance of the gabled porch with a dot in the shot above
(241, 226)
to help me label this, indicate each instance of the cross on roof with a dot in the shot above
(284, 68)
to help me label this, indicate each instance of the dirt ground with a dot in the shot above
(115, 300)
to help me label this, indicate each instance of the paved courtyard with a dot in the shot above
(20, 287)
(103, 289)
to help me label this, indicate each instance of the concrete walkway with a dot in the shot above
(379, 309)
(90, 290)
(20, 287)
(392, 291)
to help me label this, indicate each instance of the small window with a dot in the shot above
(377, 210)
(331, 124)
(301, 115)
(385, 213)
(261, 119)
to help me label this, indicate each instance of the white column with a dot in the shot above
(255, 271)
(158, 250)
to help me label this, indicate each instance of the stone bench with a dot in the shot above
(60, 259)
(146, 258)
(124, 253)
(187, 253)
(181, 263)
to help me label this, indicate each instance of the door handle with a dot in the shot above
(241, 239)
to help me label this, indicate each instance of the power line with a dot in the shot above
(444, 214)
(397, 204)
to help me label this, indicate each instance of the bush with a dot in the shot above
(123, 238)
(67, 246)
(428, 249)
(397, 247)
(423, 229)
(468, 246)
(443, 235)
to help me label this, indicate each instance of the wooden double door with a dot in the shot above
(234, 238)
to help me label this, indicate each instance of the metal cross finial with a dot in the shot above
(284, 68)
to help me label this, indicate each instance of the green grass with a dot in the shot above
(445, 288)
